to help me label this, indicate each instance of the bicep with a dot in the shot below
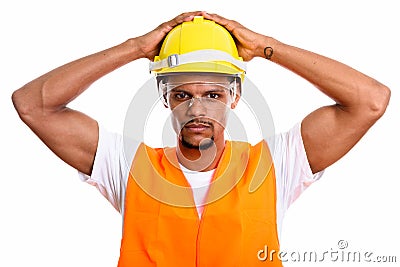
(70, 134)
(329, 133)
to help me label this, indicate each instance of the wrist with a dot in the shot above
(133, 48)
(267, 47)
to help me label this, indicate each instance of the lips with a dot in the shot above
(197, 126)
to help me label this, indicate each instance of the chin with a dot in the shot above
(202, 144)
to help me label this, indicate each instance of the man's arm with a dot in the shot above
(42, 103)
(329, 132)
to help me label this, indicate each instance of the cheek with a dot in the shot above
(220, 115)
(219, 119)
(178, 115)
(176, 121)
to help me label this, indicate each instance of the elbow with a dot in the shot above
(18, 100)
(379, 100)
(23, 105)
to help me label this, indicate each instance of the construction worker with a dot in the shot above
(208, 201)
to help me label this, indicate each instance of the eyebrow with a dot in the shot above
(216, 90)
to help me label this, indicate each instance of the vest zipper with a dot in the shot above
(198, 238)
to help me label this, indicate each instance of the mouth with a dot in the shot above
(197, 126)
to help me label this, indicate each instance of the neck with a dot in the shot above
(200, 159)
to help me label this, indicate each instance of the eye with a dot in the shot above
(181, 96)
(213, 95)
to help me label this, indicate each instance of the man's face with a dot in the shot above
(200, 106)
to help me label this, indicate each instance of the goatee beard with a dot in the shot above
(204, 145)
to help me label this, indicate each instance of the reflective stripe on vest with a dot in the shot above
(161, 224)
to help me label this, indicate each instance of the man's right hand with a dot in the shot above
(150, 43)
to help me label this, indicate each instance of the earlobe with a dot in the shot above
(235, 103)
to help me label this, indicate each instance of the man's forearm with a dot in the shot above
(347, 86)
(55, 89)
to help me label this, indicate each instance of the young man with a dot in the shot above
(187, 205)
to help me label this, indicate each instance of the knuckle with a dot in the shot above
(233, 22)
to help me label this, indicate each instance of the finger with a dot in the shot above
(187, 16)
(230, 25)
(169, 25)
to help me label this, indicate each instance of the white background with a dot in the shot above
(50, 218)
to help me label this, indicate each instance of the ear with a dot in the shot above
(236, 101)
(238, 93)
(165, 101)
(159, 81)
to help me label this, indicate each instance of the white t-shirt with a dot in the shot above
(199, 182)
(292, 170)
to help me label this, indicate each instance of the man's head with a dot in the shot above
(200, 104)
(199, 75)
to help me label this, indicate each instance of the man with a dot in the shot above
(189, 205)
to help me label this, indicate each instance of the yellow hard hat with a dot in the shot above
(199, 45)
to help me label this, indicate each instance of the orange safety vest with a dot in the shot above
(161, 224)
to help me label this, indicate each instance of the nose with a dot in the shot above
(196, 108)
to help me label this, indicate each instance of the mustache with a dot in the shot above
(197, 121)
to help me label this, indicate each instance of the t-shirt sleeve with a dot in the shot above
(293, 171)
(110, 168)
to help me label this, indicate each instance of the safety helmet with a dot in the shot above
(201, 46)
